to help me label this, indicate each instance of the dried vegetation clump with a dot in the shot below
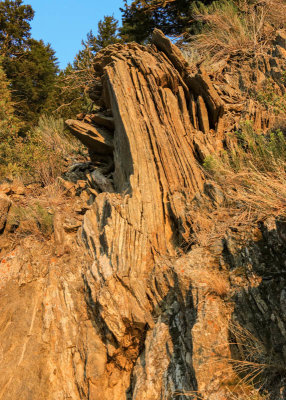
(251, 179)
(253, 367)
(253, 363)
(210, 281)
(231, 28)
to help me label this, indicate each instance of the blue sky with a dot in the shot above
(64, 23)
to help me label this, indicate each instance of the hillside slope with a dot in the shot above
(130, 304)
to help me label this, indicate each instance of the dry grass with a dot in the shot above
(256, 194)
(32, 219)
(252, 364)
(250, 356)
(225, 32)
(252, 178)
(246, 392)
(211, 281)
(51, 196)
(54, 195)
(209, 225)
(251, 197)
(55, 145)
(236, 27)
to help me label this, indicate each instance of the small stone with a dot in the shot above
(5, 188)
(84, 196)
(81, 184)
(18, 189)
(71, 225)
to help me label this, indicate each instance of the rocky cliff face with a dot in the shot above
(134, 309)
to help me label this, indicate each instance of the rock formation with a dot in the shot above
(127, 309)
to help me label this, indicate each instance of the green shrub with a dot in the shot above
(40, 155)
(270, 99)
(258, 152)
(210, 163)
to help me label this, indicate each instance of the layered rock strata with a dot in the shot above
(141, 316)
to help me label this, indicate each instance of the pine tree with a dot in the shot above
(9, 124)
(107, 34)
(33, 77)
(14, 26)
(141, 17)
(29, 65)
(76, 79)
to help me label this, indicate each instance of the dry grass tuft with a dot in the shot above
(41, 155)
(54, 147)
(209, 225)
(236, 27)
(246, 392)
(33, 213)
(254, 366)
(211, 281)
(251, 359)
(53, 133)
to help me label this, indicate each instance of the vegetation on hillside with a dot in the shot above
(34, 87)
(39, 154)
(173, 17)
(251, 179)
(235, 27)
(30, 65)
(36, 95)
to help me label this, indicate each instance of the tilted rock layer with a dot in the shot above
(139, 316)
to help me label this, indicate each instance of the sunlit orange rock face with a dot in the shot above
(128, 306)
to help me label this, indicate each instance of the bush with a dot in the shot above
(40, 155)
(259, 152)
(270, 99)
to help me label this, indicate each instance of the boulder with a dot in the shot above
(96, 139)
(98, 181)
(101, 120)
